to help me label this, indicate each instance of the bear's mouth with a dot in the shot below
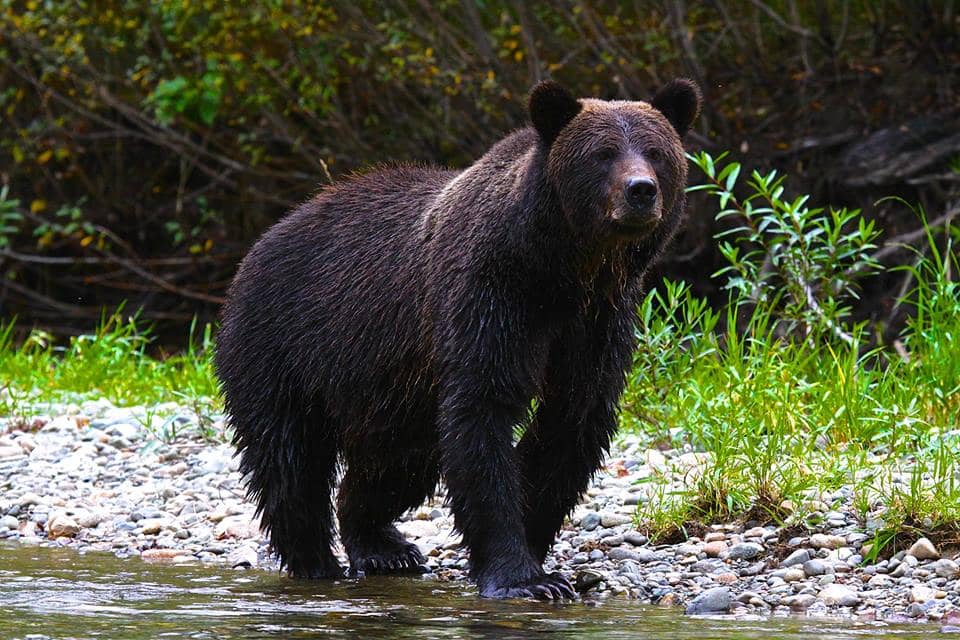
(635, 227)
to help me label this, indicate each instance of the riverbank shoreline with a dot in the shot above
(161, 483)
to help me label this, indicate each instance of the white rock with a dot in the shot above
(239, 527)
(418, 528)
(920, 594)
(823, 541)
(923, 549)
(10, 451)
(61, 525)
(608, 519)
(946, 568)
(839, 595)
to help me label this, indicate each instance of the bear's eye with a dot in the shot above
(607, 155)
(655, 156)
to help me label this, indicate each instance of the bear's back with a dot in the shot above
(332, 295)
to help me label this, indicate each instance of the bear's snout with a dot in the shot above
(640, 193)
(636, 204)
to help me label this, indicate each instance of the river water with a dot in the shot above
(58, 593)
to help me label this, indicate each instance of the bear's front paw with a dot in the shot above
(548, 586)
(314, 571)
(397, 558)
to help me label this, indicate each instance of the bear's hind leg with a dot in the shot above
(371, 497)
(291, 465)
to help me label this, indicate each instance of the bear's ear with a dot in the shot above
(679, 100)
(551, 108)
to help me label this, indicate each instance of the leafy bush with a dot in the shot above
(149, 143)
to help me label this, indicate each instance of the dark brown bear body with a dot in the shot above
(402, 322)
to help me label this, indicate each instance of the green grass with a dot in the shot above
(110, 363)
(788, 402)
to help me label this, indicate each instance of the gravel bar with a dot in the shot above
(93, 476)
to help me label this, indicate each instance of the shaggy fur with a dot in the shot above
(401, 323)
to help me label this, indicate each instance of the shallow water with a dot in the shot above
(58, 593)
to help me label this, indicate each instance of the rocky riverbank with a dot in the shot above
(161, 483)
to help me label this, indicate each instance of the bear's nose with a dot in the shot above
(640, 191)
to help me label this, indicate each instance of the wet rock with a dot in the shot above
(243, 557)
(713, 549)
(586, 580)
(716, 600)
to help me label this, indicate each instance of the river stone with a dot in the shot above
(816, 567)
(61, 525)
(636, 539)
(620, 553)
(243, 527)
(29, 499)
(797, 557)
(90, 519)
(800, 602)
(794, 575)
(590, 521)
(839, 595)
(10, 451)
(725, 578)
(586, 580)
(745, 551)
(245, 556)
(823, 541)
(713, 549)
(9, 522)
(152, 526)
(716, 600)
(645, 555)
(946, 568)
(923, 549)
(920, 594)
(608, 519)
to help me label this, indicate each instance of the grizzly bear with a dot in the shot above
(403, 323)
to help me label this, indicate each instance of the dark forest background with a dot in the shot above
(145, 145)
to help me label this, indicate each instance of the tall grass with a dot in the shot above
(785, 398)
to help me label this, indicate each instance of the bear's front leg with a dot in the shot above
(484, 486)
(570, 434)
(487, 380)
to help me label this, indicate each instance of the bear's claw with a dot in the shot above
(550, 586)
(404, 558)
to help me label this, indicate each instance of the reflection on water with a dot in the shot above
(48, 593)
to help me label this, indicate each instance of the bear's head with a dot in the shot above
(617, 167)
